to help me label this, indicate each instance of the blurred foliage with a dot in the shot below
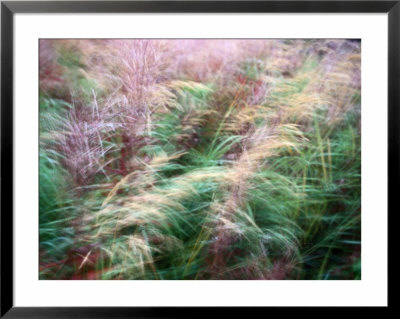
(200, 159)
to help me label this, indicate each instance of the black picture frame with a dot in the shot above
(9, 8)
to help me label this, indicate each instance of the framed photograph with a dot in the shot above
(161, 156)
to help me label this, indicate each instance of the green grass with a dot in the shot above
(209, 187)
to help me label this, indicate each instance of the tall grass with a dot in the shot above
(200, 159)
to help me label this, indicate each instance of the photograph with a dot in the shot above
(199, 159)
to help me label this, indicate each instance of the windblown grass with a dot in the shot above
(200, 159)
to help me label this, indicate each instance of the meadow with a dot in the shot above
(200, 159)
